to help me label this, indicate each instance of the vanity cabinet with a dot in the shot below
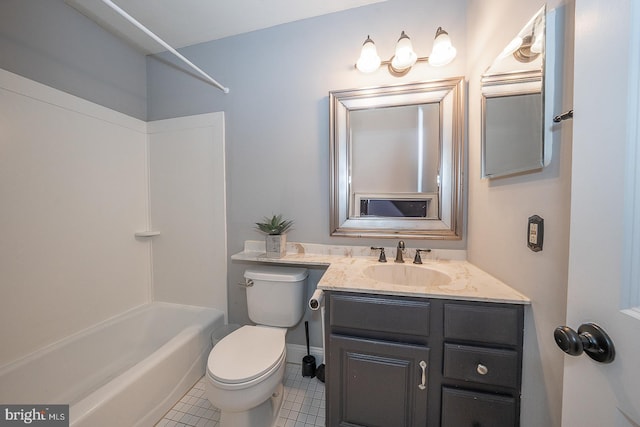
(395, 361)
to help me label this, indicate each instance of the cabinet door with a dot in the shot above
(376, 383)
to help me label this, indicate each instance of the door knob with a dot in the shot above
(590, 339)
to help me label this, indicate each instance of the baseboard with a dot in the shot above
(296, 352)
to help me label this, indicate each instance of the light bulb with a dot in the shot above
(443, 51)
(405, 57)
(369, 60)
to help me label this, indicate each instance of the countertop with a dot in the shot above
(346, 272)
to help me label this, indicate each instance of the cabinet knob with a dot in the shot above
(482, 369)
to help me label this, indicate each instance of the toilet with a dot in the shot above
(245, 370)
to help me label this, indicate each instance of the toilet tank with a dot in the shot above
(277, 295)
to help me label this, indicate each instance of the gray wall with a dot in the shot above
(499, 208)
(51, 43)
(277, 112)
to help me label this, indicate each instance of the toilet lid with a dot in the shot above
(246, 354)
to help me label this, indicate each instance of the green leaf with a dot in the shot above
(274, 225)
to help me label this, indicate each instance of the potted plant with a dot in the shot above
(276, 240)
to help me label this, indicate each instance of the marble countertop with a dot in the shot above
(346, 271)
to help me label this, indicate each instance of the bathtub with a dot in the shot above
(126, 371)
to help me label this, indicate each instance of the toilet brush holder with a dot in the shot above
(308, 361)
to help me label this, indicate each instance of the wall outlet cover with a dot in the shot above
(535, 233)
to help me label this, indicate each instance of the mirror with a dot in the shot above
(396, 160)
(513, 105)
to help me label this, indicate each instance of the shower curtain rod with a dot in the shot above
(164, 44)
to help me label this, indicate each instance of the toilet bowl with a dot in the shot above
(245, 370)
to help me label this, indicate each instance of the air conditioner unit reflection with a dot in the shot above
(396, 205)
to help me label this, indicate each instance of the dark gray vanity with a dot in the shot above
(395, 361)
(406, 345)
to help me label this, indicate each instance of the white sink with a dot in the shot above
(407, 275)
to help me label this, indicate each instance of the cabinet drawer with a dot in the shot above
(461, 408)
(482, 365)
(380, 314)
(490, 324)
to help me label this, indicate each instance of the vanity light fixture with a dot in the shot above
(405, 57)
(526, 48)
(511, 47)
(538, 42)
(526, 52)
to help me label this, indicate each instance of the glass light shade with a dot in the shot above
(443, 51)
(405, 57)
(536, 47)
(369, 60)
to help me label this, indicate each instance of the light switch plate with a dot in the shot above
(535, 233)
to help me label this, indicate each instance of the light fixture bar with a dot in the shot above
(164, 44)
(400, 64)
(399, 73)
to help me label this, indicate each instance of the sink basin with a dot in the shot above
(407, 275)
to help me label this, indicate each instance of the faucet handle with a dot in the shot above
(417, 259)
(383, 257)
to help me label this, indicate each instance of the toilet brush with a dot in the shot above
(308, 361)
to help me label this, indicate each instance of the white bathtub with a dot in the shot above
(127, 371)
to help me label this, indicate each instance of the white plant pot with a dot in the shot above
(276, 245)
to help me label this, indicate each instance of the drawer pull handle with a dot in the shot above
(423, 365)
(481, 369)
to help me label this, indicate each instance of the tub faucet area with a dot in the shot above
(399, 251)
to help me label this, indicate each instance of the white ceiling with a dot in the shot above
(186, 22)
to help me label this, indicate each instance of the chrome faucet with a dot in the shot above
(399, 251)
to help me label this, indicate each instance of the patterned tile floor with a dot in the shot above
(303, 404)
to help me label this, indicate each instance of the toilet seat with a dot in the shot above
(246, 356)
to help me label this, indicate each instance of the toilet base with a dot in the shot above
(263, 415)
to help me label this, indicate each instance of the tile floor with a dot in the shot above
(303, 404)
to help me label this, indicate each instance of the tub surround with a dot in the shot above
(346, 271)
